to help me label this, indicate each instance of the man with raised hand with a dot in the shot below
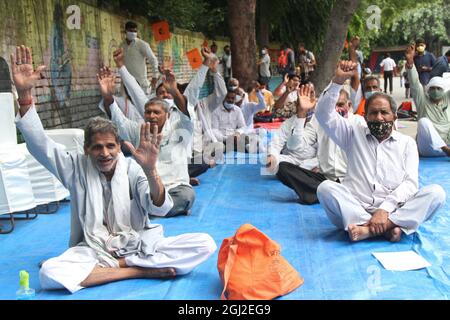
(111, 236)
(379, 195)
(433, 111)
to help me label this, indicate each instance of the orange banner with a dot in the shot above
(161, 31)
(195, 58)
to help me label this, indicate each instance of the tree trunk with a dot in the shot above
(243, 40)
(262, 35)
(340, 17)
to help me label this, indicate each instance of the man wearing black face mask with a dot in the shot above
(379, 195)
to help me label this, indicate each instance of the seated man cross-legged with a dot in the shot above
(379, 194)
(111, 235)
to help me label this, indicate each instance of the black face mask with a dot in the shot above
(380, 129)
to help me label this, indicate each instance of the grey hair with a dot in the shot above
(371, 77)
(99, 125)
(384, 96)
(160, 102)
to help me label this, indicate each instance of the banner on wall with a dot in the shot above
(194, 58)
(161, 31)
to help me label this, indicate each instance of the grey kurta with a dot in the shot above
(70, 169)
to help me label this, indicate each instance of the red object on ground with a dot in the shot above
(268, 125)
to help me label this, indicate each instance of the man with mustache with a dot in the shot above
(169, 113)
(379, 194)
(111, 235)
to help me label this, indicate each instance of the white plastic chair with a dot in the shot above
(16, 193)
(45, 187)
(72, 139)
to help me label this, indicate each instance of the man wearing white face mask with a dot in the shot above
(136, 53)
(264, 67)
(228, 124)
(241, 95)
(169, 112)
(433, 131)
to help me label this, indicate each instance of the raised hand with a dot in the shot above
(147, 152)
(305, 98)
(23, 74)
(107, 82)
(169, 80)
(119, 58)
(410, 54)
(213, 65)
(344, 71)
(206, 53)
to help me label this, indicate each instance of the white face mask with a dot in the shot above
(238, 98)
(131, 36)
(228, 106)
(170, 102)
(263, 51)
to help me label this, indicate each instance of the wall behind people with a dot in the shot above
(68, 94)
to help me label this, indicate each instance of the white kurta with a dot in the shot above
(70, 269)
(286, 145)
(174, 148)
(332, 160)
(204, 108)
(379, 175)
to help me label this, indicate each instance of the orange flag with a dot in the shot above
(195, 58)
(161, 31)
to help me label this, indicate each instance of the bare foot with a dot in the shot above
(194, 181)
(212, 163)
(394, 235)
(163, 273)
(358, 233)
(446, 150)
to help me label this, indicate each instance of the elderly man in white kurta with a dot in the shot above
(170, 114)
(111, 236)
(379, 194)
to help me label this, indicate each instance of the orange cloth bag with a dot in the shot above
(251, 267)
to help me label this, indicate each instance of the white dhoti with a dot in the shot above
(183, 253)
(429, 142)
(343, 209)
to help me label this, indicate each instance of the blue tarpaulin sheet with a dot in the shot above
(231, 195)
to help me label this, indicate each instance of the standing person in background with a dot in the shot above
(214, 50)
(388, 65)
(424, 62)
(264, 67)
(226, 63)
(286, 61)
(307, 62)
(136, 52)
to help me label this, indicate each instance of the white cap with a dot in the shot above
(436, 82)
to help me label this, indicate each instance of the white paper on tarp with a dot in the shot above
(401, 260)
